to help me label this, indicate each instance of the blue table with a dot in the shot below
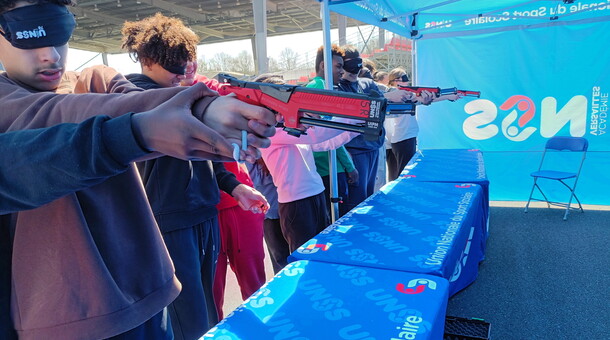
(318, 301)
(450, 166)
(418, 227)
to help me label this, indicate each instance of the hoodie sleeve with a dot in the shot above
(23, 109)
(41, 165)
(344, 158)
(334, 142)
(227, 181)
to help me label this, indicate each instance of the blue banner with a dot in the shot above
(480, 16)
(535, 83)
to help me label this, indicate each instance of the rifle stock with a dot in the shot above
(467, 93)
(440, 92)
(436, 90)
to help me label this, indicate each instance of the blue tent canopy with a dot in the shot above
(541, 67)
(434, 18)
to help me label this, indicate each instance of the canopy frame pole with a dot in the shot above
(328, 77)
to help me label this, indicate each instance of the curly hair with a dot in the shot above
(159, 40)
(350, 52)
(7, 5)
(335, 50)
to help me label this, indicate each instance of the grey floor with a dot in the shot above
(543, 278)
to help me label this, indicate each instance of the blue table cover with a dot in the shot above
(319, 301)
(450, 166)
(419, 227)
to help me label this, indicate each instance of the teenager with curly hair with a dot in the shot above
(162, 45)
(184, 194)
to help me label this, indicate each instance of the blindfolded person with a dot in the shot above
(92, 264)
(184, 195)
(365, 153)
(402, 130)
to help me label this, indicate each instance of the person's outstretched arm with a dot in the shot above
(40, 165)
(226, 116)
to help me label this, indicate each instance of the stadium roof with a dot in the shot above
(99, 22)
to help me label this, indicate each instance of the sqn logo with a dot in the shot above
(416, 286)
(38, 32)
(312, 247)
(521, 111)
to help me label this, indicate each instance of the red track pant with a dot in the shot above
(241, 238)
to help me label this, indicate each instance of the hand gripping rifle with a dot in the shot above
(293, 101)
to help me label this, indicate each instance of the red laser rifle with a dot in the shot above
(440, 92)
(292, 102)
(436, 90)
(466, 93)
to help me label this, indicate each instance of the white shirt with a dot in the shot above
(399, 128)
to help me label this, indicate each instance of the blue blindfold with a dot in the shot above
(353, 65)
(175, 69)
(36, 26)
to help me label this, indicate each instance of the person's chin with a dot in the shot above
(43, 85)
(49, 86)
(48, 81)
